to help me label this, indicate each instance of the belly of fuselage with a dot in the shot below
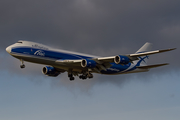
(46, 61)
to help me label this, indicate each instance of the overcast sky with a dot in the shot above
(98, 27)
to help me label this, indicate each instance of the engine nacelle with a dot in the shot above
(88, 63)
(50, 71)
(119, 59)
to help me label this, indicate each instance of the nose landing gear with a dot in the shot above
(22, 64)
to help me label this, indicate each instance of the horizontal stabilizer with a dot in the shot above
(151, 66)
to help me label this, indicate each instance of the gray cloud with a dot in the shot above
(86, 23)
(99, 27)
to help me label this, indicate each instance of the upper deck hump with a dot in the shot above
(45, 47)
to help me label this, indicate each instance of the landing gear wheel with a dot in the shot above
(70, 75)
(83, 77)
(71, 78)
(80, 77)
(90, 76)
(22, 66)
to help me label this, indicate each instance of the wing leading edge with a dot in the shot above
(150, 52)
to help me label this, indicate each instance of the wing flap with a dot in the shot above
(151, 66)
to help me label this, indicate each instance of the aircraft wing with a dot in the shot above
(77, 63)
(104, 62)
(104, 59)
(70, 62)
(150, 52)
(132, 57)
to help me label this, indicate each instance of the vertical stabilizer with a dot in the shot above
(146, 47)
(144, 59)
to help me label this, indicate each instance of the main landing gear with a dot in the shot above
(22, 64)
(70, 75)
(84, 76)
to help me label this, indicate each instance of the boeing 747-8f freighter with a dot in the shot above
(83, 65)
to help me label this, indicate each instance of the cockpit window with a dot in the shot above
(19, 42)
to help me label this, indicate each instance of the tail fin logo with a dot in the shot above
(143, 59)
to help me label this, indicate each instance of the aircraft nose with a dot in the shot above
(8, 49)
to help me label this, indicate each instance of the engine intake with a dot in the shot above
(119, 59)
(88, 63)
(50, 71)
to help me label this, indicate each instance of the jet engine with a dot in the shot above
(88, 63)
(119, 59)
(50, 71)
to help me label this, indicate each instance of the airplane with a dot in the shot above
(82, 65)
